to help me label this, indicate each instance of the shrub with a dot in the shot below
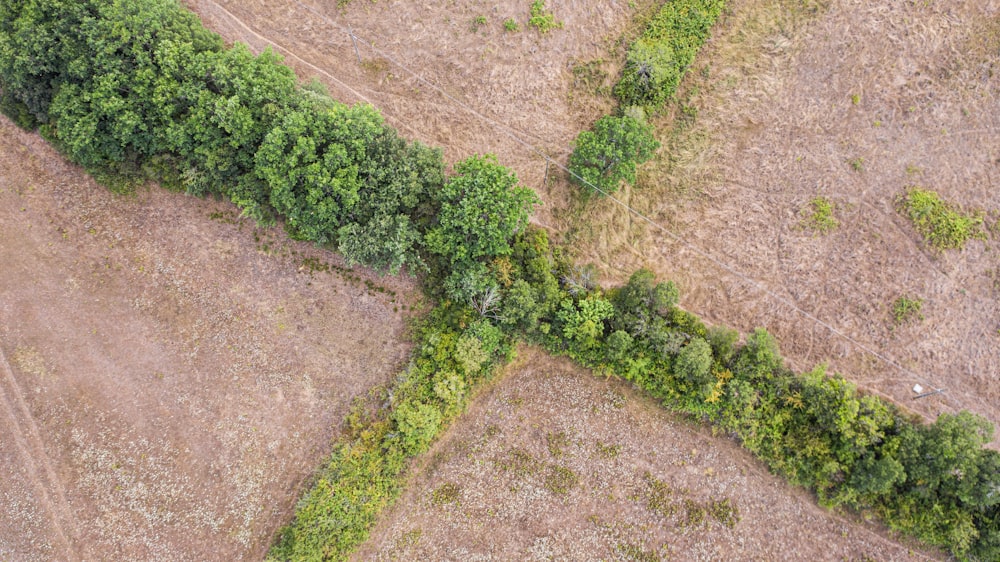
(657, 61)
(906, 309)
(418, 424)
(610, 153)
(942, 225)
(542, 19)
(694, 365)
(820, 218)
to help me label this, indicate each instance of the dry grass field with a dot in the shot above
(169, 374)
(853, 102)
(552, 463)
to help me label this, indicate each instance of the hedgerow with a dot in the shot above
(655, 63)
(137, 90)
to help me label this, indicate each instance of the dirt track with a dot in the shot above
(169, 374)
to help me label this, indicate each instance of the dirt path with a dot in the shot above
(22, 429)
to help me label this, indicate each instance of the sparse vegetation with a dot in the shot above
(906, 309)
(478, 22)
(541, 18)
(941, 224)
(511, 25)
(606, 451)
(557, 443)
(446, 493)
(819, 216)
(560, 480)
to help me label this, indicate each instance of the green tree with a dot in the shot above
(39, 40)
(694, 365)
(641, 302)
(397, 180)
(237, 103)
(385, 242)
(583, 323)
(418, 424)
(310, 162)
(759, 358)
(482, 208)
(609, 154)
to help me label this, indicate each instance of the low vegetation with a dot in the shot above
(138, 91)
(542, 19)
(819, 216)
(906, 309)
(942, 225)
(657, 61)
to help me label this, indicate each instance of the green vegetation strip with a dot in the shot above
(654, 66)
(657, 61)
(137, 90)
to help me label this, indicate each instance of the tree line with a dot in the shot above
(138, 90)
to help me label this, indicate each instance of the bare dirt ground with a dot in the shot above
(788, 92)
(554, 464)
(169, 374)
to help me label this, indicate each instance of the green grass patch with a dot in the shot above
(944, 226)
(542, 19)
(906, 310)
(819, 216)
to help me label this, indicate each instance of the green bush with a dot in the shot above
(418, 424)
(657, 61)
(942, 225)
(609, 155)
(542, 19)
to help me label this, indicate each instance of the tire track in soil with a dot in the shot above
(26, 434)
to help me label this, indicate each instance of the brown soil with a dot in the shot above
(170, 375)
(486, 490)
(788, 94)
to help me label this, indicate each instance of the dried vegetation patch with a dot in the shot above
(553, 463)
(175, 373)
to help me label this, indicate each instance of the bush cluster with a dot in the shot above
(943, 225)
(137, 90)
(936, 482)
(655, 63)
